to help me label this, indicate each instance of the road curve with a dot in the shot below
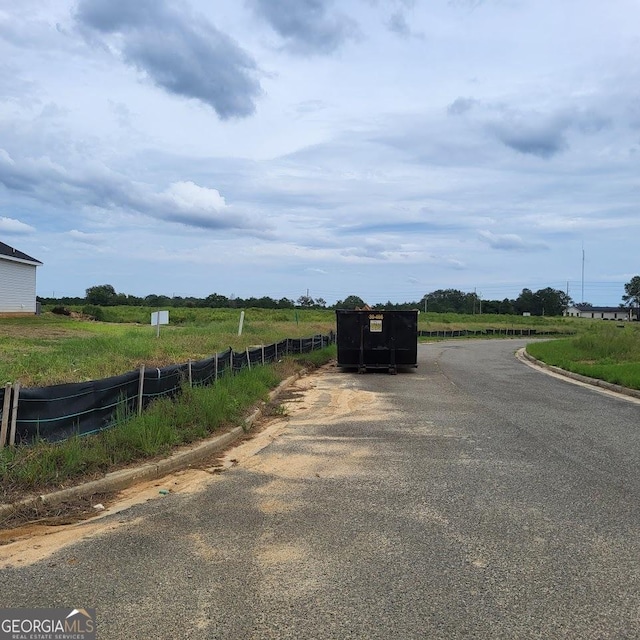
(474, 497)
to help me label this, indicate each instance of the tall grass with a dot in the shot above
(56, 349)
(167, 423)
(606, 351)
(50, 349)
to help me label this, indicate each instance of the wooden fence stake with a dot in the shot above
(140, 389)
(5, 414)
(14, 414)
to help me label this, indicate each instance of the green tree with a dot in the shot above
(544, 302)
(350, 302)
(551, 302)
(506, 306)
(215, 300)
(153, 300)
(102, 295)
(450, 301)
(525, 303)
(285, 303)
(305, 301)
(632, 295)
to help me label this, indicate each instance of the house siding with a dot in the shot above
(17, 287)
(598, 313)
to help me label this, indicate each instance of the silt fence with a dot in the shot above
(57, 412)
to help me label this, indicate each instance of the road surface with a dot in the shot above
(474, 497)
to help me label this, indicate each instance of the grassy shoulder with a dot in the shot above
(606, 351)
(166, 425)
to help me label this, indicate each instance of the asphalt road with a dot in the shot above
(473, 497)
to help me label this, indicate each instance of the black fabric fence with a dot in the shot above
(58, 412)
(461, 333)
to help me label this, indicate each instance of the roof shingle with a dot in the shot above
(10, 252)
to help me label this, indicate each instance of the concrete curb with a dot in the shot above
(594, 382)
(119, 480)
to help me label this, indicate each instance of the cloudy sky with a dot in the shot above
(382, 148)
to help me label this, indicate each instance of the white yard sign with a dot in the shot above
(158, 318)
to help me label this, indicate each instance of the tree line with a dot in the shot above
(548, 301)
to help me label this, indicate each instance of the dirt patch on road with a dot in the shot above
(320, 398)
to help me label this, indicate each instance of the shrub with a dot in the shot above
(61, 311)
(95, 312)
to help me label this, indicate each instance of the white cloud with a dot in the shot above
(510, 242)
(188, 196)
(320, 144)
(15, 227)
(85, 238)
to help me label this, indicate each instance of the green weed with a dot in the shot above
(167, 423)
(52, 349)
(606, 351)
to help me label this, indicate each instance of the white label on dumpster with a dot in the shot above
(375, 326)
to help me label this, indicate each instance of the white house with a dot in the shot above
(17, 281)
(598, 313)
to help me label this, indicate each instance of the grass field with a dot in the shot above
(604, 350)
(52, 349)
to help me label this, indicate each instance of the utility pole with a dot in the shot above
(583, 273)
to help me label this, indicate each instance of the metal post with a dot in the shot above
(248, 359)
(216, 368)
(190, 373)
(140, 389)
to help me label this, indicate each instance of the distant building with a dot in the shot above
(17, 281)
(598, 313)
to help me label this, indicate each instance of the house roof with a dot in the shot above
(9, 252)
(583, 307)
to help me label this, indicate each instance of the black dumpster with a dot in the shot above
(377, 339)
